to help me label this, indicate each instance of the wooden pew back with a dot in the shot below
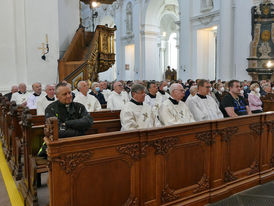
(186, 164)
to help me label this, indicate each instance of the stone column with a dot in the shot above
(226, 66)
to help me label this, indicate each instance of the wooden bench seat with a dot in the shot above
(190, 164)
(33, 134)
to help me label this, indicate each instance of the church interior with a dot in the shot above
(137, 103)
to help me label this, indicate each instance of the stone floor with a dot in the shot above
(262, 195)
(4, 197)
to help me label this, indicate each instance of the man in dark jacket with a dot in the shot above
(13, 90)
(73, 118)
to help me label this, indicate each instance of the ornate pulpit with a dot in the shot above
(261, 60)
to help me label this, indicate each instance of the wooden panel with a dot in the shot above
(111, 176)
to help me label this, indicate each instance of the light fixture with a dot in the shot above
(269, 64)
(164, 34)
(95, 4)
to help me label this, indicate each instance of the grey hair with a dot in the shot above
(137, 88)
(49, 85)
(36, 83)
(14, 86)
(93, 84)
(173, 87)
(79, 84)
(192, 89)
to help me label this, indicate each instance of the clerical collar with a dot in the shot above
(50, 99)
(175, 102)
(151, 96)
(201, 96)
(36, 95)
(162, 92)
(21, 92)
(137, 103)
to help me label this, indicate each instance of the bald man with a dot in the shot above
(14, 89)
(37, 93)
(21, 96)
(173, 110)
(43, 102)
(90, 102)
(117, 100)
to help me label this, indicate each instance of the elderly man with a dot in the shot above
(43, 102)
(73, 118)
(193, 91)
(21, 96)
(203, 106)
(104, 90)
(136, 114)
(233, 104)
(162, 92)
(37, 93)
(90, 102)
(95, 91)
(117, 100)
(14, 89)
(173, 110)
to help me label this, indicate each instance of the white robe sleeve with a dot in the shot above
(97, 105)
(165, 116)
(128, 120)
(198, 114)
(40, 109)
(110, 103)
(31, 102)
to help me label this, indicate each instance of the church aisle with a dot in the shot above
(9, 194)
(261, 195)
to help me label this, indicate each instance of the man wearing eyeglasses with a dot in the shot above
(117, 100)
(173, 110)
(136, 114)
(203, 106)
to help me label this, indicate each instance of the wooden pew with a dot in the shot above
(5, 125)
(33, 134)
(191, 164)
(268, 103)
(15, 137)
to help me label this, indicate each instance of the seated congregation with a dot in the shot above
(124, 135)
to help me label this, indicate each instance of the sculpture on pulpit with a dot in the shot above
(262, 45)
(168, 73)
(174, 74)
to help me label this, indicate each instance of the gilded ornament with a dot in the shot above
(265, 36)
(266, 10)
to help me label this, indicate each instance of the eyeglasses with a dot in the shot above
(208, 87)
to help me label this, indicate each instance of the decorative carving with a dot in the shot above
(162, 146)
(270, 125)
(272, 161)
(132, 201)
(254, 167)
(227, 133)
(129, 19)
(228, 176)
(48, 130)
(256, 128)
(207, 137)
(69, 162)
(26, 118)
(168, 195)
(203, 184)
(136, 151)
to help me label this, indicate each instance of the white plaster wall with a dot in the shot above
(7, 46)
(242, 37)
(26, 23)
(69, 20)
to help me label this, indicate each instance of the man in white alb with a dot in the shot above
(162, 92)
(193, 91)
(203, 106)
(136, 114)
(21, 96)
(173, 110)
(37, 94)
(43, 102)
(90, 102)
(104, 90)
(116, 100)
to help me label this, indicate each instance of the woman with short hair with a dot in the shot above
(254, 100)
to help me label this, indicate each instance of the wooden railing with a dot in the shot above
(190, 164)
(88, 54)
